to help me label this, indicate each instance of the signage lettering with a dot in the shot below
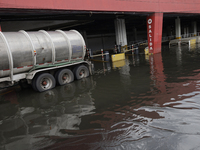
(149, 25)
(149, 21)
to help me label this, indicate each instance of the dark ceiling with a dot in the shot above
(91, 21)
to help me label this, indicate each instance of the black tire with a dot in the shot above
(81, 72)
(64, 76)
(44, 82)
(34, 83)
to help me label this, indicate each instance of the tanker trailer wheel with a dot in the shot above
(81, 72)
(34, 82)
(64, 76)
(44, 82)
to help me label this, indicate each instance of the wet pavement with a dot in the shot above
(142, 103)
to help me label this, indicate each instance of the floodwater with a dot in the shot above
(142, 103)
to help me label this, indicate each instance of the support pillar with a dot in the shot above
(178, 28)
(194, 28)
(120, 31)
(188, 32)
(154, 32)
(185, 32)
(135, 33)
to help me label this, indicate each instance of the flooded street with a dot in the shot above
(142, 103)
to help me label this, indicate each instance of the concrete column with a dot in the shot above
(185, 32)
(135, 33)
(178, 28)
(194, 28)
(154, 32)
(120, 31)
(188, 31)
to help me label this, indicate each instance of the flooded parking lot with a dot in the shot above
(142, 103)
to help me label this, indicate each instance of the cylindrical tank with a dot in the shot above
(20, 51)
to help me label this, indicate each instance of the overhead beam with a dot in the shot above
(164, 6)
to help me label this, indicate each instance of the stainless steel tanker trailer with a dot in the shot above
(42, 58)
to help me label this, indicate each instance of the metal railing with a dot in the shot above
(168, 38)
(102, 54)
(123, 49)
(188, 35)
(134, 45)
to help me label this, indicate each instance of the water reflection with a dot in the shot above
(43, 114)
(150, 104)
(193, 47)
(166, 113)
(118, 64)
(125, 73)
(179, 56)
(157, 73)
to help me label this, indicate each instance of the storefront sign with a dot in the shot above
(150, 34)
